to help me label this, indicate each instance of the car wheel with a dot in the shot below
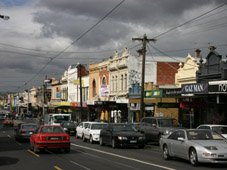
(193, 157)
(113, 143)
(67, 150)
(166, 152)
(101, 141)
(31, 147)
(91, 139)
(77, 136)
(84, 139)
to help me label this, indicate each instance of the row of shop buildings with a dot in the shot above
(192, 90)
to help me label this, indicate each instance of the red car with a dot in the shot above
(50, 137)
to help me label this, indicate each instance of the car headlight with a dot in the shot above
(141, 138)
(211, 147)
(122, 138)
(65, 128)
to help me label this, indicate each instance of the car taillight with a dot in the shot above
(42, 138)
(66, 137)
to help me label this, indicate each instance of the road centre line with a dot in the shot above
(57, 167)
(33, 153)
(124, 157)
(122, 164)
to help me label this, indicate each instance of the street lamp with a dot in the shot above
(4, 17)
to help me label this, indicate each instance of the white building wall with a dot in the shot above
(72, 88)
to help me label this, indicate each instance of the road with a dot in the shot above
(86, 156)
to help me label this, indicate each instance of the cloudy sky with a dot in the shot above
(43, 37)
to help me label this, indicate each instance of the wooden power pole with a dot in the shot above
(144, 40)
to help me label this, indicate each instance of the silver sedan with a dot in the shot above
(195, 145)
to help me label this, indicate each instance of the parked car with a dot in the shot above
(50, 137)
(120, 135)
(8, 122)
(195, 145)
(23, 131)
(80, 128)
(221, 129)
(155, 127)
(69, 127)
(92, 131)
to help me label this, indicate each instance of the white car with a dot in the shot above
(221, 129)
(80, 128)
(92, 131)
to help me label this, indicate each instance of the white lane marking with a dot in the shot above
(124, 157)
(8, 136)
(80, 165)
(122, 164)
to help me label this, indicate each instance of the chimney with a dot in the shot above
(197, 53)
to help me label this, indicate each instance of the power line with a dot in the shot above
(77, 39)
(189, 21)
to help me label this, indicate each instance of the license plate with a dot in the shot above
(133, 141)
(54, 138)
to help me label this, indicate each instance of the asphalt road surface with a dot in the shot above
(86, 156)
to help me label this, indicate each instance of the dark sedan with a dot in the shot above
(23, 131)
(121, 135)
(69, 127)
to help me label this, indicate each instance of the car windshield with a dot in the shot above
(165, 122)
(60, 118)
(98, 126)
(220, 129)
(203, 135)
(123, 127)
(68, 124)
(52, 129)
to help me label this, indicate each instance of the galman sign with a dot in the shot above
(197, 88)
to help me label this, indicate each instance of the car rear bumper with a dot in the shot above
(130, 143)
(53, 145)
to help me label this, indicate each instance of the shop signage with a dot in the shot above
(77, 82)
(104, 91)
(152, 93)
(217, 87)
(197, 88)
(173, 92)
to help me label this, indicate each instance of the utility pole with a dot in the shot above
(144, 40)
(80, 80)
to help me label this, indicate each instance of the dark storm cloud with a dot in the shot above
(70, 18)
(53, 25)
(72, 27)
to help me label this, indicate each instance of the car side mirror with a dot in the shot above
(180, 139)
